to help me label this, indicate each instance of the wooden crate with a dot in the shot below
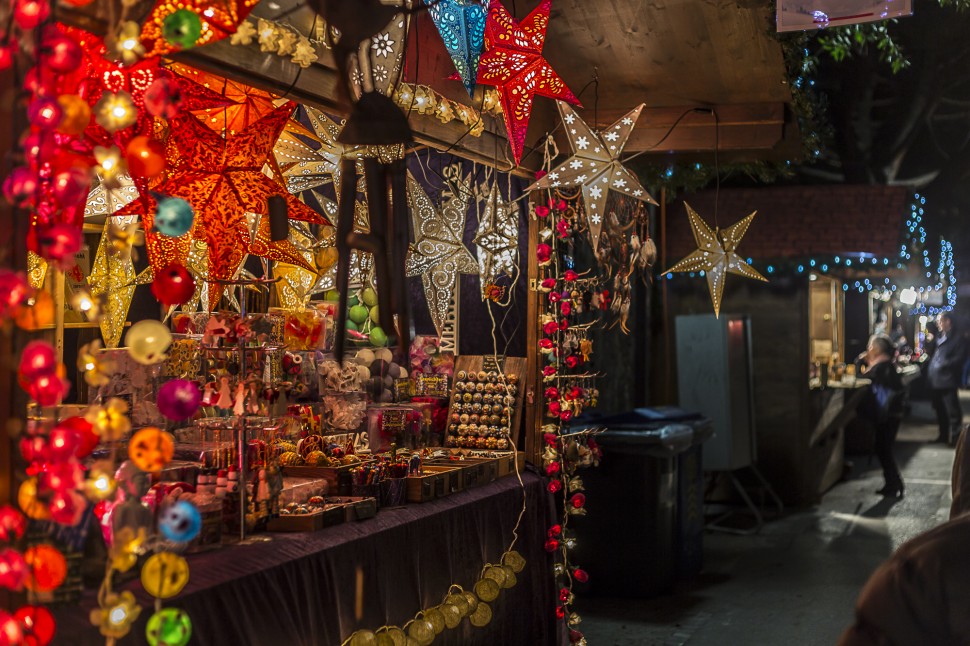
(475, 472)
(324, 473)
(306, 522)
(434, 482)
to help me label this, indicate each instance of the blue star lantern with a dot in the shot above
(461, 24)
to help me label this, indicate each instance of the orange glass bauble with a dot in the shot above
(29, 504)
(146, 157)
(76, 114)
(47, 568)
(37, 315)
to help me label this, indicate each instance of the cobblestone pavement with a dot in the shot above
(795, 582)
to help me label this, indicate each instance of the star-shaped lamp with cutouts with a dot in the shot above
(461, 24)
(595, 165)
(497, 238)
(223, 180)
(716, 256)
(438, 254)
(513, 63)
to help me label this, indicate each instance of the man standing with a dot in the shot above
(945, 373)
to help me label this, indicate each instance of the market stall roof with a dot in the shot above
(674, 56)
(795, 222)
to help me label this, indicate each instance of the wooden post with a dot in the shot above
(532, 419)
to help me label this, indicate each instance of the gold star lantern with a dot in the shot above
(716, 255)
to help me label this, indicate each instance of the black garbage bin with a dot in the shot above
(646, 503)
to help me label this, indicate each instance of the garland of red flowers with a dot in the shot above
(568, 388)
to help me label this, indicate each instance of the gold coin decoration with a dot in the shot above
(514, 560)
(481, 616)
(487, 589)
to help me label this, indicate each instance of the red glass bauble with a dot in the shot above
(45, 113)
(70, 186)
(34, 448)
(13, 569)
(48, 390)
(30, 13)
(61, 241)
(87, 438)
(21, 186)
(7, 53)
(61, 53)
(14, 291)
(173, 285)
(67, 507)
(146, 157)
(38, 358)
(48, 568)
(38, 625)
(39, 147)
(13, 524)
(61, 477)
(62, 444)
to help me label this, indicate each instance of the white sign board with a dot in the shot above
(800, 15)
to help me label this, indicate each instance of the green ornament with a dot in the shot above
(169, 627)
(369, 296)
(358, 314)
(377, 337)
(182, 28)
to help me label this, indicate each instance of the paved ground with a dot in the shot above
(796, 581)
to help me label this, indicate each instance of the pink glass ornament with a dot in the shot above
(45, 113)
(49, 389)
(21, 186)
(59, 243)
(71, 185)
(179, 399)
(13, 570)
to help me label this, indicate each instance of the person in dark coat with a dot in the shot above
(919, 596)
(883, 408)
(944, 374)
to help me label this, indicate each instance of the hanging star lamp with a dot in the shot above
(513, 63)
(438, 254)
(497, 238)
(461, 24)
(222, 179)
(595, 165)
(216, 20)
(716, 255)
(245, 104)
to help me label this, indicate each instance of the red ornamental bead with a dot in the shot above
(13, 569)
(563, 324)
(564, 594)
(543, 252)
(62, 54)
(48, 568)
(551, 393)
(540, 174)
(546, 344)
(67, 507)
(575, 392)
(38, 625)
(570, 275)
(34, 448)
(572, 361)
(48, 390)
(6, 55)
(71, 186)
(38, 358)
(577, 501)
(566, 415)
(45, 113)
(30, 13)
(560, 612)
(146, 157)
(59, 243)
(549, 371)
(554, 531)
(39, 147)
(550, 439)
(87, 438)
(554, 486)
(62, 444)
(21, 186)
(13, 524)
(550, 328)
(566, 308)
(551, 545)
(561, 205)
(548, 283)
(542, 211)
(555, 297)
(173, 285)
(555, 408)
(580, 575)
(61, 477)
(552, 469)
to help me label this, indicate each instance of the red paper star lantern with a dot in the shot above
(219, 20)
(223, 181)
(513, 63)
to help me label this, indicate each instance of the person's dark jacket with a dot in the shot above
(884, 401)
(919, 596)
(946, 364)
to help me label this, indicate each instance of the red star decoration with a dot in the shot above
(513, 63)
(219, 20)
(223, 180)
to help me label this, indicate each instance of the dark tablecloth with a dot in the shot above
(298, 589)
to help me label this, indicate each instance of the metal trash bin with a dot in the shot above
(646, 515)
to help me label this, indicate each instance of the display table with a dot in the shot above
(299, 589)
(832, 408)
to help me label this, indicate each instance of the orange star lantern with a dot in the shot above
(513, 63)
(247, 104)
(218, 20)
(223, 181)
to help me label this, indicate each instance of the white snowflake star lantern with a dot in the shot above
(596, 161)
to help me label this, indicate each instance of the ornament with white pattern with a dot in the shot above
(716, 256)
(595, 165)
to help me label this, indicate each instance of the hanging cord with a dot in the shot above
(717, 168)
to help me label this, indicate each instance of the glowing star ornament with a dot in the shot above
(461, 24)
(438, 254)
(716, 255)
(513, 63)
(595, 165)
(497, 238)
(216, 21)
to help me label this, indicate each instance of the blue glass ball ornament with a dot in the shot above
(181, 522)
(174, 217)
